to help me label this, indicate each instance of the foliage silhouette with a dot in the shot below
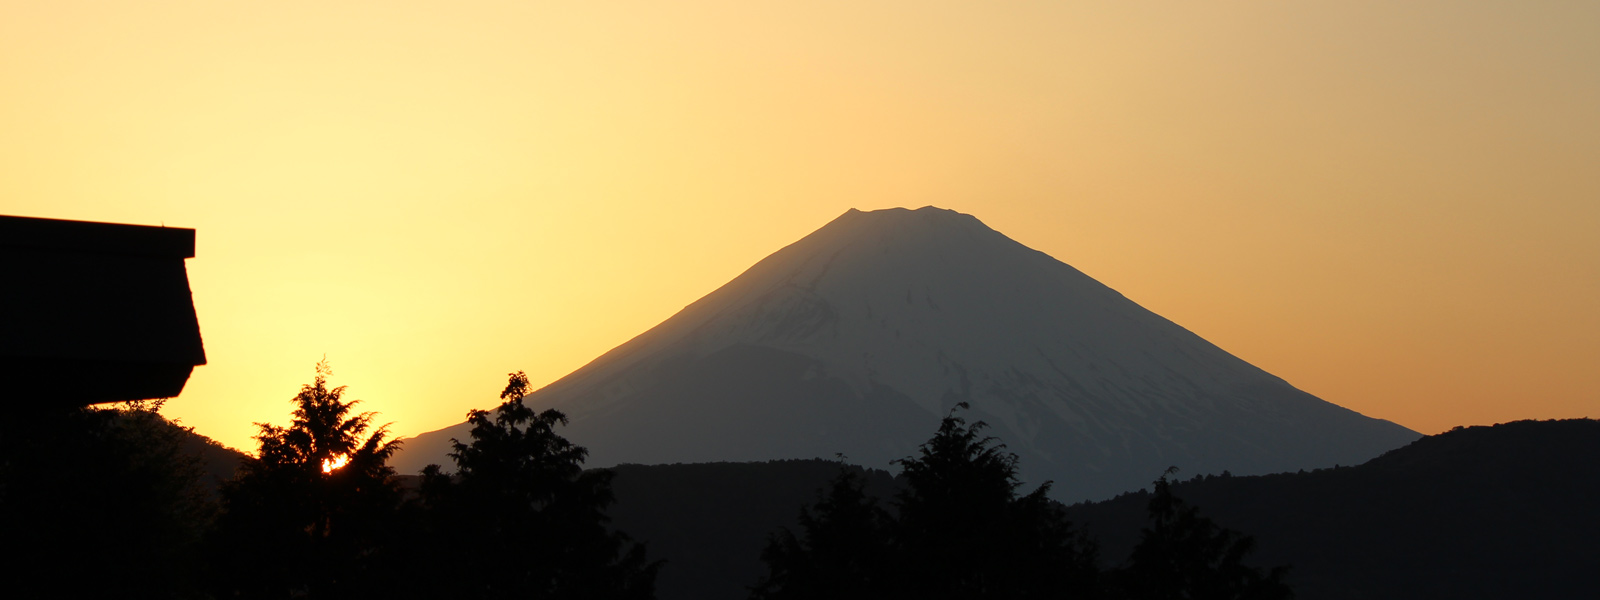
(1182, 555)
(293, 524)
(99, 502)
(710, 521)
(965, 533)
(959, 531)
(843, 552)
(522, 517)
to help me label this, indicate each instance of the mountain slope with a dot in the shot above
(859, 337)
(1478, 512)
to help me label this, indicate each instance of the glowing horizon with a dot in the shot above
(1392, 208)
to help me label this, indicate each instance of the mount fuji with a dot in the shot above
(858, 338)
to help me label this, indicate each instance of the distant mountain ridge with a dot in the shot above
(1503, 511)
(859, 337)
(1479, 512)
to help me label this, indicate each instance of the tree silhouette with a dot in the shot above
(964, 533)
(842, 553)
(960, 531)
(521, 518)
(1182, 555)
(311, 514)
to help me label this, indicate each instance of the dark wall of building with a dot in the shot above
(95, 312)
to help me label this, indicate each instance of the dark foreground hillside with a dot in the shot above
(105, 502)
(1482, 512)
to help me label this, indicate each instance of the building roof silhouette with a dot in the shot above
(94, 312)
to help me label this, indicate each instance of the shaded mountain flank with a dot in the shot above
(1506, 511)
(858, 338)
(1479, 512)
(217, 462)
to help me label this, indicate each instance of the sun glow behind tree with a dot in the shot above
(329, 464)
(291, 524)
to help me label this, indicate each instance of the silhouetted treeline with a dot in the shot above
(960, 530)
(120, 502)
(318, 514)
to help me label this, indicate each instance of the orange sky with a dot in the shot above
(1393, 207)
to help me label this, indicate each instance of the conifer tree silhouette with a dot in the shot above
(842, 552)
(959, 531)
(1182, 555)
(522, 519)
(963, 532)
(312, 514)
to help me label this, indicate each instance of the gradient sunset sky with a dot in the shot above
(1394, 206)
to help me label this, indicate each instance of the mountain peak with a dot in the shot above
(859, 337)
(925, 217)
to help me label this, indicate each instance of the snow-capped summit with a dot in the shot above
(858, 338)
